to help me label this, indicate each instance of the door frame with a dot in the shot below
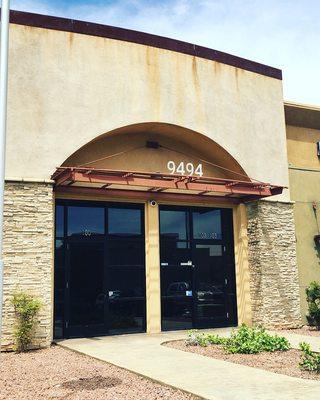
(227, 242)
(66, 329)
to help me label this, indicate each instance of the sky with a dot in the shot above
(281, 33)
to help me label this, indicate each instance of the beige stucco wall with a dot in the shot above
(302, 150)
(304, 173)
(66, 89)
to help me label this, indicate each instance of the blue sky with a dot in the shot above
(281, 33)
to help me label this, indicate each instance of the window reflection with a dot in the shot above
(124, 221)
(125, 252)
(174, 253)
(59, 221)
(207, 224)
(173, 224)
(59, 254)
(85, 221)
(209, 250)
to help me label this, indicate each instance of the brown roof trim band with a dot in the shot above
(128, 35)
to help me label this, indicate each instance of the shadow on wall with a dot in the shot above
(126, 149)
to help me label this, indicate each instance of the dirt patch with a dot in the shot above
(58, 373)
(305, 330)
(280, 362)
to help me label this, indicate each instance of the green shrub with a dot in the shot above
(244, 340)
(26, 308)
(310, 361)
(247, 340)
(313, 299)
(202, 339)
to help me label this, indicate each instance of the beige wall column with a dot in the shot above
(153, 294)
(242, 265)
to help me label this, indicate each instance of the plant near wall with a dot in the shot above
(245, 340)
(196, 338)
(310, 360)
(248, 340)
(26, 309)
(313, 299)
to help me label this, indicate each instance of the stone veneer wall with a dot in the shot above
(274, 285)
(28, 253)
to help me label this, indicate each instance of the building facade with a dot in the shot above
(147, 184)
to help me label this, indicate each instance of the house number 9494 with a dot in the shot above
(184, 168)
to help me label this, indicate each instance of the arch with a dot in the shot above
(125, 149)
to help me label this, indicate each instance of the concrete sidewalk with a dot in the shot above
(203, 376)
(295, 339)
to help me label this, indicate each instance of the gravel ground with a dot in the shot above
(58, 373)
(305, 330)
(281, 362)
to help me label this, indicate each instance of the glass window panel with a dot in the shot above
(173, 224)
(207, 224)
(85, 221)
(59, 281)
(174, 253)
(59, 221)
(176, 294)
(124, 221)
(125, 252)
(59, 254)
(86, 284)
(132, 286)
(126, 299)
(210, 250)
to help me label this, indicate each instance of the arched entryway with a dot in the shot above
(144, 232)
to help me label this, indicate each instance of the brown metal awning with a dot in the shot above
(147, 185)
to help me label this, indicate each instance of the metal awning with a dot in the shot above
(146, 185)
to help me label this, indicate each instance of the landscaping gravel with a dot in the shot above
(281, 362)
(58, 373)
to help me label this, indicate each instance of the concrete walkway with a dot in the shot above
(203, 376)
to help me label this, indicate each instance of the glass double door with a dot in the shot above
(99, 269)
(197, 268)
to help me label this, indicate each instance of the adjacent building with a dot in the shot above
(152, 184)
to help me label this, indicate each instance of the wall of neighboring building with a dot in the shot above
(304, 174)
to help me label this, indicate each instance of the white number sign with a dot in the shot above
(184, 168)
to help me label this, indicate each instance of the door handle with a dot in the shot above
(187, 264)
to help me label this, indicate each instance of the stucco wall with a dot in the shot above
(301, 144)
(67, 89)
(304, 173)
(28, 254)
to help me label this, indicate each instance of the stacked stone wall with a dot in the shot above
(28, 254)
(274, 284)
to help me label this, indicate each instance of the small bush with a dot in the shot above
(313, 299)
(245, 340)
(310, 361)
(196, 338)
(26, 308)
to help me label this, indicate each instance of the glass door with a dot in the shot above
(99, 269)
(125, 269)
(197, 268)
(86, 309)
(210, 282)
(85, 270)
(177, 273)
